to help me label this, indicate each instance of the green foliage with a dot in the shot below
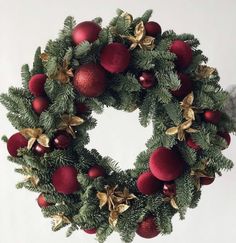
(157, 105)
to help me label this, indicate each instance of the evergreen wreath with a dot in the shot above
(128, 65)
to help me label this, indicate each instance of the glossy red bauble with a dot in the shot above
(90, 80)
(64, 179)
(147, 80)
(36, 84)
(192, 144)
(183, 53)
(40, 149)
(96, 171)
(148, 228)
(15, 142)
(186, 86)
(148, 184)
(226, 136)
(212, 116)
(169, 189)
(166, 164)
(40, 104)
(115, 57)
(206, 180)
(42, 201)
(62, 140)
(86, 31)
(90, 231)
(152, 29)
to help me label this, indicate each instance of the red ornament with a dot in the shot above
(90, 231)
(147, 80)
(152, 29)
(15, 142)
(186, 86)
(226, 136)
(115, 57)
(82, 109)
(169, 189)
(206, 180)
(212, 116)
(183, 52)
(148, 228)
(96, 171)
(36, 84)
(64, 179)
(62, 140)
(42, 201)
(166, 164)
(192, 144)
(90, 80)
(40, 104)
(148, 184)
(40, 149)
(86, 31)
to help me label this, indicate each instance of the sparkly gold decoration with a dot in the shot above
(172, 201)
(200, 172)
(140, 39)
(68, 122)
(33, 135)
(204, 71)
(181, 130)
(59, 220)
(64, 73)
(44, 57)
(34, 180)
(117, 202)
(188, 109)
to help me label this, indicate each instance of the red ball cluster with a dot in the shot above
(15, 142)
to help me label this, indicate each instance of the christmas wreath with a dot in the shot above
(128, 65)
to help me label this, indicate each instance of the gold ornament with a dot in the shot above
(172, 201)
(188, 109)
(140, 39)
(59, 220)
(33, 135)
(44, 57)
(64, 73)
(117, 202)
(204, 71)
(181, 129)
(68, 122)
(34, 180)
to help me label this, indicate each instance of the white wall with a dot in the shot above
(25, 24)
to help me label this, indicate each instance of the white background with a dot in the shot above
(25, 24)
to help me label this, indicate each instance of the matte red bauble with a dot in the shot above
(212, 116)
(40, 104)
(186, 86)
(147, 80)
(148, 184)
(152, 29)
(90, 80)
(148, 228)
(226, 136)
(90, 231)
(40, 149)
(115, 57)
(192, 144)
(96, 171)
(169, 189)
(206, 180)
(86, 31)
(183, 52)
(36, 84)
(42, 201)
(62, 140)
(15, 142)
(166, 164)
(64, 179)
